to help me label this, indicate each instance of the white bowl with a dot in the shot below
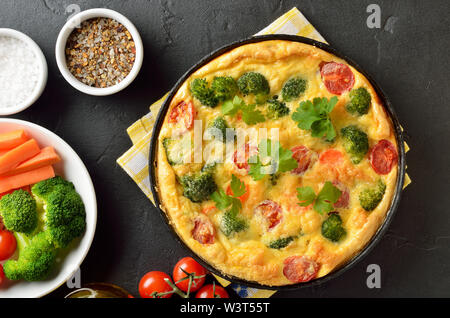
(42, 81)
(71, 168)
(61, 55)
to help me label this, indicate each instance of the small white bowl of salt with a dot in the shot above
(23, 71)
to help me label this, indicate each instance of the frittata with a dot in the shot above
(290, 204)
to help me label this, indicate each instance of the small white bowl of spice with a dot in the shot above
(23, 71)
(99, 52)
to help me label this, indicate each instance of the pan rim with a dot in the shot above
(400, 171)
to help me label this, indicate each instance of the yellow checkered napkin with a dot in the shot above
(135, 160)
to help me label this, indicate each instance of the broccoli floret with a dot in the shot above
(209, 167)
(177, 149)
(359, 101)
(199, 187)
(36, 258)
(232, 223)
(44, 188)
(220, 124)
(18, 211)
(332, 228)
(369, 198)
(281, 242)
(293, 88)
(224, 87)
(253, 83)
(205, 94)
(356, 143)
(64, 213)
(276, 109)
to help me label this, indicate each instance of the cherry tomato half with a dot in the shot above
(271, 211)
(8, 245)
(383, 156)
(203, 231)
(304, 157)
(299, 269)
(338, 78)
(2, 275)
(153, 282)
(212, 291)
(189, 265)
(242, 163)
(183, 112)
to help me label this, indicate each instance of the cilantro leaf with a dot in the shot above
(237, 186)
(256, 169)
(306, 196)
(236, 206)
(231, 222)
(286, 162)
(324, 201)
(326, 198)
(231, 107)
(250, 115)
(271, 164)
(315, 116)
(331, 103)
(222, 200)
(306, 115)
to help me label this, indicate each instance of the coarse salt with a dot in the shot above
(19, 71)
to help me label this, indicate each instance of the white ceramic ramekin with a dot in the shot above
(67, 30)
(42, 80)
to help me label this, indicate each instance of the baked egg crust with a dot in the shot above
(308, 255)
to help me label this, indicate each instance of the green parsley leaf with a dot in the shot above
(306, 115)
(326, 198)
(222, 200)
(236, 206)
(286, 162)
(256, 169)
(231, 222)
(315, 116)
(237, 186)
(250, 115)
(270, 164)
(324, 201)
(231, 107)
(306, 196)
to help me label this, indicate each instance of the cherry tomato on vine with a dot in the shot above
(190, 266)
(212, 291)
(153, 283)
(8, 244)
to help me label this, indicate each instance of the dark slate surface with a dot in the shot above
(408, 57)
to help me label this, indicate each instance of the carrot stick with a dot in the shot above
(46, 157)
(26, 188)
(16, 156)
(12, 139)
(27, 178)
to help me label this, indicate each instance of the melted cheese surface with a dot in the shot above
(245, 254)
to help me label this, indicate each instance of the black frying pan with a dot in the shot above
(390, 111)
